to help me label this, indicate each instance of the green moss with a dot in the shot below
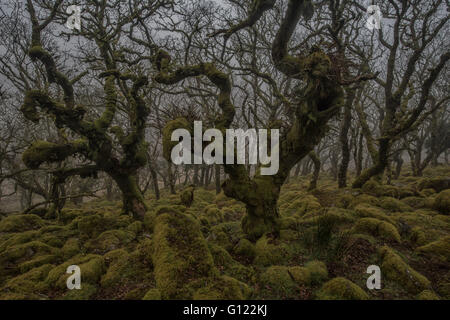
(21, 222)
(226, 234)
(277, 283)
(398, 271)
(181, 255)
(427, 295)
(110, 240)
(136, 227)
(86, 292)
(37, 262)
(377, 228)
(71, 248)
(152, 294)
(317, 270)
(368, 211)
(414, 202)
(439, 249)
(245, 248)
(30, 282)
(223, 288)
(442, 202)
(187, 196)
(301, 275)
(365, 199)
(372, 188)
(306, 204)
(437, 184)
(91, 266)
(25, 251)
(214, 215)
(341, 289)
(418, 236)
(394, 205)
(268, 252)
(91, 225)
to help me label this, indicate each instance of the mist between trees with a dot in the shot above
(90, 112)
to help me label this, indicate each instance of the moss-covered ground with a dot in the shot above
(328, 239)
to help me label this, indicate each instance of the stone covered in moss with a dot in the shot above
(86, 292)
(223, 288)
(21, 222)
(368, 211)
(427, 295)
(29, 283)
(439, 249)
(317, 270)
(394, 205)
(91, 266)
(181, 255)
(276, 282)
(377, 228)
(270, 252)
(442, 202)
(152, 294)
(341, 289)
(398, 271)
(245, 248)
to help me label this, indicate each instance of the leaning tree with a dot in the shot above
(110, 136)
(317, 96)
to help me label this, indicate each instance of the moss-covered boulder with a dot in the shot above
(86, 292)
(398, 271)
(21, 222)
(110, 240)
(341, 289)
(277, 283)
(223, 288)
(71, 248)
(271, 252)
(246, 249)
(369, 211)
(377, 228)
(317, 270)
(92, 267)
(442, 202)
(439, 250)
(427, 295)
(394, 205)
(29, 285)
(181, 255)
(152, 294)
(438, 184)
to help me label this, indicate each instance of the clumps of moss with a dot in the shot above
(226, 234)
(110, 240)
(91, 225)
(246, 249)
(415, 202)
(439, 250)
(427, 295)
(213, 215)
(270, 252)
(365, 199)
(372, 188)
(228, 266)
(418, 236)
(368, 211)
(181, 255)
(317, 270)
(135, 227)
(277, 282)
(24, 252)
(301, 206)
(377, 228)
(92, 267)
(398, 271)
(70, 248)
(152, 294)
(21, 223)
(442, 202)
(394, 205)
(437, 184)
(28, 285)
(86, 292)
(223, 288)
(341, 289)
(187, 196)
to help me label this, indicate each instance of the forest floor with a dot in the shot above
(328, 239)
